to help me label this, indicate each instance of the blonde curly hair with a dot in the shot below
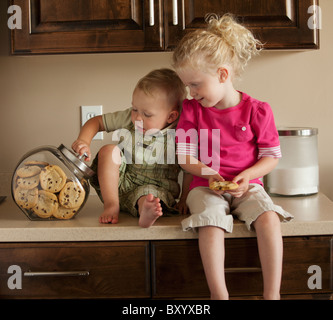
(224, 42)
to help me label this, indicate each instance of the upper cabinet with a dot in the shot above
(63, 26)
(279, 24)
(72, 26)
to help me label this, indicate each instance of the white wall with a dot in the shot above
(38, 92)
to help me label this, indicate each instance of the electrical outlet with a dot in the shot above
(88, 112)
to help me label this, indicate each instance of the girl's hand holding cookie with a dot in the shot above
(81, 147)
(243, 185)
(213, 181)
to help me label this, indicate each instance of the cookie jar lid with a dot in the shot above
(76, 161)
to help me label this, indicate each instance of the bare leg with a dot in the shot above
(211, 245)
(109, 160)
(270, 245)
(149, 210)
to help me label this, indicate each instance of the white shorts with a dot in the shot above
(210, 209)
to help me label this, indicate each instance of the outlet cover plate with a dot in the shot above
(88, 112)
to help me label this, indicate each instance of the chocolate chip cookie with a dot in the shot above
(65, 213)
(26, 198)
(72, 195)
(28, 183)
(28, 171)
(46, 205)
(52, 178)
(223, 185)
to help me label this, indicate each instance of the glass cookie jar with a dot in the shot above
(51, 183)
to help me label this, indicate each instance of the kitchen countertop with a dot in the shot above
(313, 216)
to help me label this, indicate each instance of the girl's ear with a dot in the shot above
(223, 74)
(173, 116)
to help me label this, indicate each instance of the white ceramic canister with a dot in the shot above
(297, 172)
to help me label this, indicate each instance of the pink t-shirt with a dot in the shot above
(228, 140)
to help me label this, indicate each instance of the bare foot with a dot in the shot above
(150, 210)
(109, 215)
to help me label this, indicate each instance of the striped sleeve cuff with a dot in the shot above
(187, 149)
(274, 152)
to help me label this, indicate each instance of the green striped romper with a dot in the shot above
(149, 164)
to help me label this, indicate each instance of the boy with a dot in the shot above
(139, 175)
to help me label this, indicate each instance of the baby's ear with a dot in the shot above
(173, 116)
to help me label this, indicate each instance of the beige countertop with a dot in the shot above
(313, 216)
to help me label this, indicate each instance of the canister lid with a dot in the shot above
(76, 161)
(295, 131)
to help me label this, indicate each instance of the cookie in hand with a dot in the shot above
(223, 185)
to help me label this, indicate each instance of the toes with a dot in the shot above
(114, 220)
(108, 219)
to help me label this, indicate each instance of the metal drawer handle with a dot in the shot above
(151, 13)
(175, 12)
(56, 273)
(242, 270)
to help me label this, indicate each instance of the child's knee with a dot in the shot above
(269, 219)
(110, 150)
(107, 149)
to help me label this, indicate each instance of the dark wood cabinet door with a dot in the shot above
(78, 26)
(279, 24)
(177, 270)
(62, 26)
(75, 270)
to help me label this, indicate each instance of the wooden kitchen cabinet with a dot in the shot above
(61, 26)
(76, 26)
(164, 269)
(178, 272)
(279, 24)
(77, 270)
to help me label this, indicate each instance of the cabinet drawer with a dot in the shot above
(77, 270)
(178, 271)
(302, 253)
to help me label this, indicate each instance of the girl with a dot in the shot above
(228, 136)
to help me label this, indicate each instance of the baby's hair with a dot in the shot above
(167, 80)
(224, 42)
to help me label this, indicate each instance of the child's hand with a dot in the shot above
(243, 181)
(181, 206)
(216, 177)
(81, 147)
